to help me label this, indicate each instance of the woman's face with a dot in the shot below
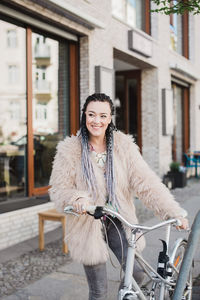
(98, 117)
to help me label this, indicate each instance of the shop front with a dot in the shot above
(39, 105)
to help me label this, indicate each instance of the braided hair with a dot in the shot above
(87, 168)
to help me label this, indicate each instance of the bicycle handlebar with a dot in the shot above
(107, 211)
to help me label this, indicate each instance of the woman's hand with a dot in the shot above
(184, 223)
(80, 204)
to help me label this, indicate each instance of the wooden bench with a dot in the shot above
(51, 215)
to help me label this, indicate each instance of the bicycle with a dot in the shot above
(162, 281)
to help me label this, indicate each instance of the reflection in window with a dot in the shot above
(13, 118)
(13, 74)
(41, 112)
(11, 38)
(176, 28)
(15, 110)
(50, 109)
(49, 103)
(118, 8)
(130, 11)
(177, 138)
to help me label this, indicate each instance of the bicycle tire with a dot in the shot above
(177, 258)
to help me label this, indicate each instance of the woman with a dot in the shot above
(101, 165)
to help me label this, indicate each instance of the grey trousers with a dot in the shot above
(96, 274)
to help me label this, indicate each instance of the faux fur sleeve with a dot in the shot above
(63, 189)
(148, 186)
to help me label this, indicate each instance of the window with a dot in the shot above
(11, 38)
(179, 33)
(14, 110)
(13, 114)
(41, 112)
(13, 74)
(118, 8)
(135, 13)
(39, 107)
(180, 137)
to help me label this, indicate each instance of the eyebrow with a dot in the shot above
(102, 113)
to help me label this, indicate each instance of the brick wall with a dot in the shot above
(84, 69)
(150, 117)
(20, 225)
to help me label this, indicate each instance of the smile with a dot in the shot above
(96, 127)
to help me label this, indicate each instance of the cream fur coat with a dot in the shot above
(133, 176)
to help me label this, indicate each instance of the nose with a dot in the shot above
(96, 119)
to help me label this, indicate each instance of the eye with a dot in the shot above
(104, 116)
(91, 115)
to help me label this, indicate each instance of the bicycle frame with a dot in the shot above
(129, 281)
(131, 287)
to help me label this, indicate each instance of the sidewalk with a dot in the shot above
(53, 276)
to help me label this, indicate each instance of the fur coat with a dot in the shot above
(132, 175)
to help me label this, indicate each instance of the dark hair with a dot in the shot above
(100, 97)
(87, 169)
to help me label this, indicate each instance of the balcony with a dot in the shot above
(43, 90)
(42, 54)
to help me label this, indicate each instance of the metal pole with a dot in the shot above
(193, 241)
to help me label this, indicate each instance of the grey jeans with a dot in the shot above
(97, 275)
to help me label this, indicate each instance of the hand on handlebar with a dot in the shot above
(184, 223)
(80, 205)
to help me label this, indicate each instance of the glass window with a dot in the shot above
(118, 8)
(130, 11)
(178, 122)
(127, 104)
(11, 38)
(179, 33)
(49, 96)
(13, 74)
(25, 164)
(13, 116)
(176, 34)
(15, 110)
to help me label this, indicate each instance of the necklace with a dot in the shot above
(100, 158)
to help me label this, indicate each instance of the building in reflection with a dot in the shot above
(54, 53)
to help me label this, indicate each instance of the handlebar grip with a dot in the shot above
(178, 222)
(68, 209)
(91, 209)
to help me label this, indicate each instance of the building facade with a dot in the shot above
(55, 53)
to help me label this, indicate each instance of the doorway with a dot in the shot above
(180, 137)
(128, 103)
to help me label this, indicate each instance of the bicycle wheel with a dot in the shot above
(176, 260)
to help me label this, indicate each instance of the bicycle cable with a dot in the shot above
(122, 247)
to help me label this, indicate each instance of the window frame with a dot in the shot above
(147, 16)
(185, 33)
(74, 96)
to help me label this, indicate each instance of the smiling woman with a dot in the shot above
(99, 166)
(98, 117)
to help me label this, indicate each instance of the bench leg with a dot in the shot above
(41, 233)
(65, 248)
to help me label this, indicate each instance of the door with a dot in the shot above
(180, 138)
(128, 103)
